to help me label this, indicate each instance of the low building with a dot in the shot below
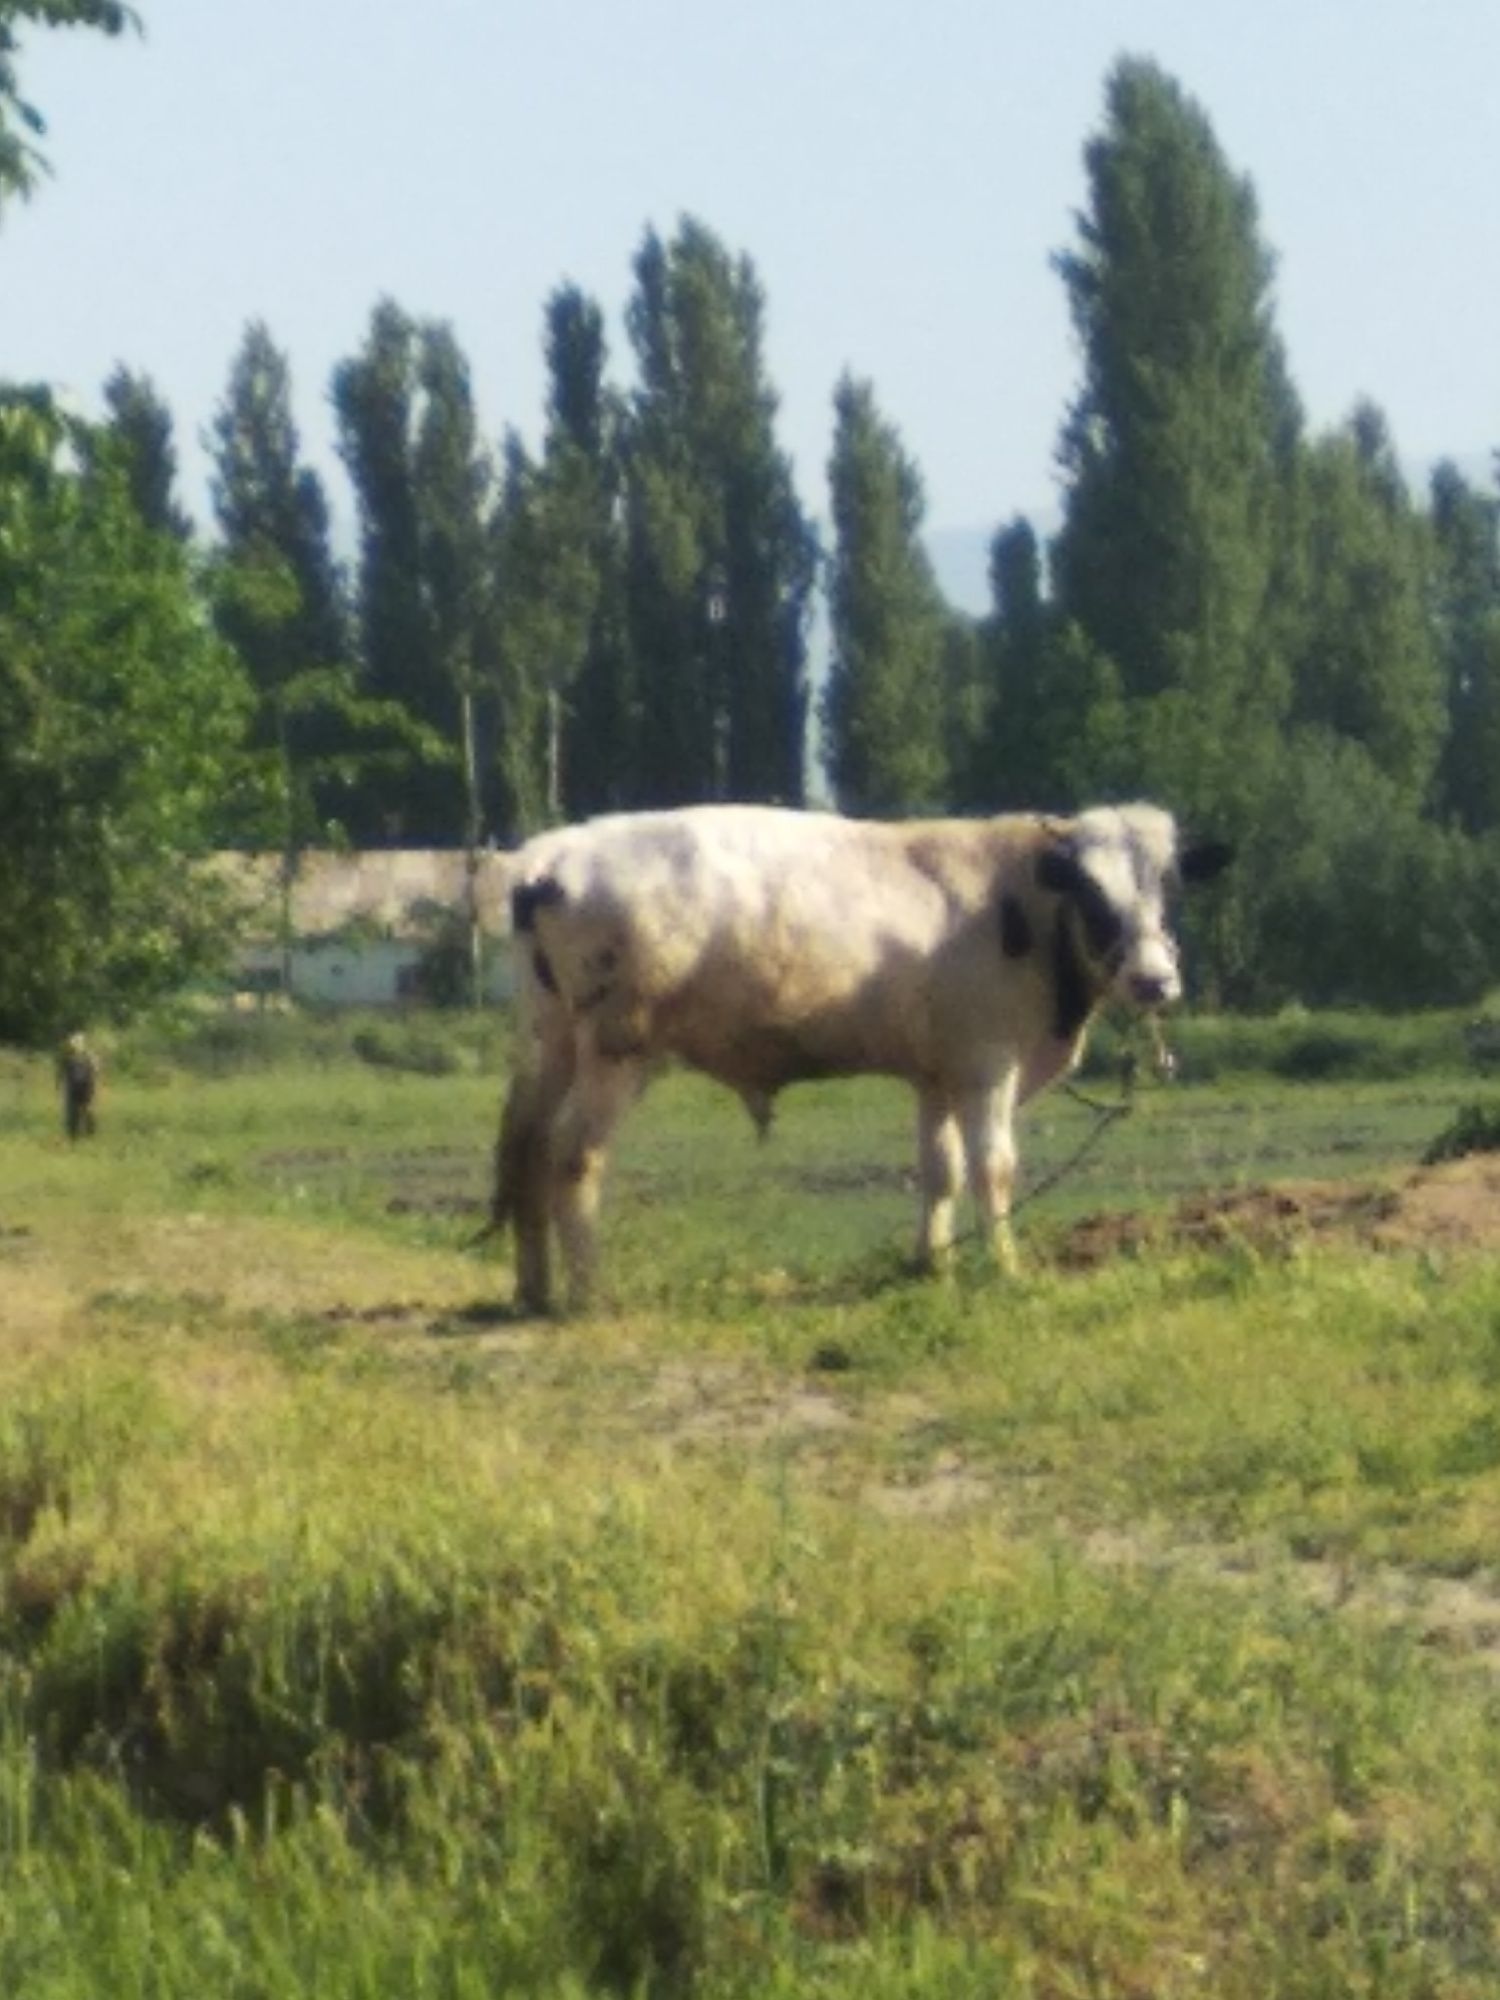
(379, 928)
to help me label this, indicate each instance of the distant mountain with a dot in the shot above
(961, 558)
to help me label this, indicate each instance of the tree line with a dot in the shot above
(1259, 626)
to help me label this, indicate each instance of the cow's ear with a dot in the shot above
(1058, 869)
(1204, 860)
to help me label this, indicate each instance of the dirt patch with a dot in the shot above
(1457, 1615)
(949, 1485)
(1451, 1207)
(719, 1402)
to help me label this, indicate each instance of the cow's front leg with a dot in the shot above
(601, 1093)
(988, 1117)
(940, 1160)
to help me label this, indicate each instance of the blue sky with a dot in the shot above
(900, 174)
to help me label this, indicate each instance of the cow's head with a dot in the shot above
(1113, 869)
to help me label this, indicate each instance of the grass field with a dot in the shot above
(791, 1627)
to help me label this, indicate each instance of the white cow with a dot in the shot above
(766, 946)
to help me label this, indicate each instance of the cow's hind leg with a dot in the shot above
(989, 1140)
(940, 1159)
(523, 1170)
(602, 1091)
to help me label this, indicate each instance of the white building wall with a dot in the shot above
(372, 973)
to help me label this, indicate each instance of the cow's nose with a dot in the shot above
(1151, 989)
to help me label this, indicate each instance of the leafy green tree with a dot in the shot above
(720, 558)
(1466, 533)
(21, 124)
(1177, 448)
(121, 722)
(139, 429)
(1362, 900)
(883, 710)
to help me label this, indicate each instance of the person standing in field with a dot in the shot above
(78, 1079)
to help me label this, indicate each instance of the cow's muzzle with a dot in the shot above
(1152, 989)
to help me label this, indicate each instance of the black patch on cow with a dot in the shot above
(1073, 995)
(602, 965)
(1204, 860)
(529, 897)
(1065, 875)
(1058, 870)
(1101, 920)
(1015, 928)
(543, 967)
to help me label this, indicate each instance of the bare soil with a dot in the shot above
(1454, 1207)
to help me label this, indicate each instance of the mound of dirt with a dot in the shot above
(1452, 1207)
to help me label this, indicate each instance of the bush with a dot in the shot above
(407, 1045)
(225, 1043)
(1306, 1047)
(1475, 1128)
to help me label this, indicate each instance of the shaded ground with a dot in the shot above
(1451, 1207)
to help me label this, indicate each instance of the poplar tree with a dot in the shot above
(1176, 449)
(1055, 729)
(1366, 665)
(1009, 764)
(272, 509)
(454, 490)
(374, 398)
(566, 738)
(280, 600)
(139, 429)
(721, 560)
(600, 718)
(1466, 533)
(549, 592)
(408, 434)
(883, 711)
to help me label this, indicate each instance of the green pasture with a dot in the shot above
(790, 1627)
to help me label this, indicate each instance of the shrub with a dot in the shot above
(1475, 1128)
(406, 1045)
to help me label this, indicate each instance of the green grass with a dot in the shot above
(792, 1627)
